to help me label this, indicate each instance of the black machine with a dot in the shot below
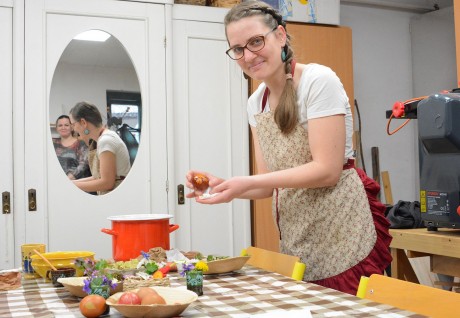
(439, 157)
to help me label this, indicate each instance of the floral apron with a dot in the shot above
(331, 228)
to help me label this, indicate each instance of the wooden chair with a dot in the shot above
(283, 264)
(424, 300)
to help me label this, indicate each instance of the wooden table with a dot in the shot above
(245, 293)
(442, 246)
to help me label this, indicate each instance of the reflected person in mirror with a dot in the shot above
(326, 210)
(109, 163)
(71, 152)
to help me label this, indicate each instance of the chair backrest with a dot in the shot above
(283, 264)
(424, 300)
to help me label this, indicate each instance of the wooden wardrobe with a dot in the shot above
(322, 44)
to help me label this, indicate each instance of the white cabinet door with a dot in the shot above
(211, 129)
(65, 217)
(6, 133)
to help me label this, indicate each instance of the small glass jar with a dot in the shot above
(194, 281)
(104, 291)
(101, 290)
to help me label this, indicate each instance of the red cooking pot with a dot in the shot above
(134, 233)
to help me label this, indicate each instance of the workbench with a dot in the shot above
(442, 246)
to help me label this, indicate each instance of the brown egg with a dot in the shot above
(200, 182)
(141, 292)
(153, 299)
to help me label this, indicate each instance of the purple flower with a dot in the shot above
(145, 255)
(186, 268)
(87, 287)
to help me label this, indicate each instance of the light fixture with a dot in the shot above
(93, 35)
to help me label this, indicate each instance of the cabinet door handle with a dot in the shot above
(6, 204)
(32, 200)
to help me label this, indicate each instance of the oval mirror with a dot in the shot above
(95, 68)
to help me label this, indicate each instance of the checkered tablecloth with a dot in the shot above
(246, 293)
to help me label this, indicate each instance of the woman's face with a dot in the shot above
(262, 64)
(77, 127)
(63, 127)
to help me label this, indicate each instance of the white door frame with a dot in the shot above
(7, 251)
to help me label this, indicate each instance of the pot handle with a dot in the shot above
(173, 227)
(109, 231)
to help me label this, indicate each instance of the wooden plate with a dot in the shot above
(74, 285)
(177, 300)
(226, 265)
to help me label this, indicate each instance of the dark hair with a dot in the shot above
(61, 117)
(286, 113)
(88, 112)
(72, 132)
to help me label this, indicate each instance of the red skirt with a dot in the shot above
(379, 258)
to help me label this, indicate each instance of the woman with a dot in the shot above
(300, 117)
(71, 152)
(110, 164)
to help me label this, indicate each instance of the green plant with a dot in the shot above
(97, 274)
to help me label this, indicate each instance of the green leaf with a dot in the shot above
(151, 268)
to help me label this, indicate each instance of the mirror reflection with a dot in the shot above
(97, 71)
(72, 152)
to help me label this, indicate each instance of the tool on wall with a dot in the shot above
(438, 118)
(408, 110)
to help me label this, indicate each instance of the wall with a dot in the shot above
(382, 59)
(433, 61)
(94, 81)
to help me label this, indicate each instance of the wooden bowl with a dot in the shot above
(226, 265)
(74, 285)
(177, 300)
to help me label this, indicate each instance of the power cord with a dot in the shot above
(360, 139)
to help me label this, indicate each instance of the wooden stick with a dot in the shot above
(387, 187)
(46, 261)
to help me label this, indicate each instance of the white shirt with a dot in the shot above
(110, 141)
(319, 94)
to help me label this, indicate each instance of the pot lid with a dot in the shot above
(139, 217)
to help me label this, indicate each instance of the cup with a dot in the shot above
(27, 250)
(53, 275)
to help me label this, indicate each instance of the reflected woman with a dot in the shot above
(110, 164)
(72, 153)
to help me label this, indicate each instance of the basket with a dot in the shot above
(224, 3)
(134, 282)
(192, 2)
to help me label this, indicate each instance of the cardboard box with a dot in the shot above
(309, 11)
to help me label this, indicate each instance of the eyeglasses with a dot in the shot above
(254, 44)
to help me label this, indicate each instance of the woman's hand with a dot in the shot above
(198, 190)
(227, 190)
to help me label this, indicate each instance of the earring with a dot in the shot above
(283, 55)
(86, 131)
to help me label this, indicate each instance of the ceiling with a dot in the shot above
(418, 6)
(111, 53)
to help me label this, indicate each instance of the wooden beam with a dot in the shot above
(445, 265)
(401, 268)
(387, 187)
(442, 242)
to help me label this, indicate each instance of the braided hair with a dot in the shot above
(286, 113)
